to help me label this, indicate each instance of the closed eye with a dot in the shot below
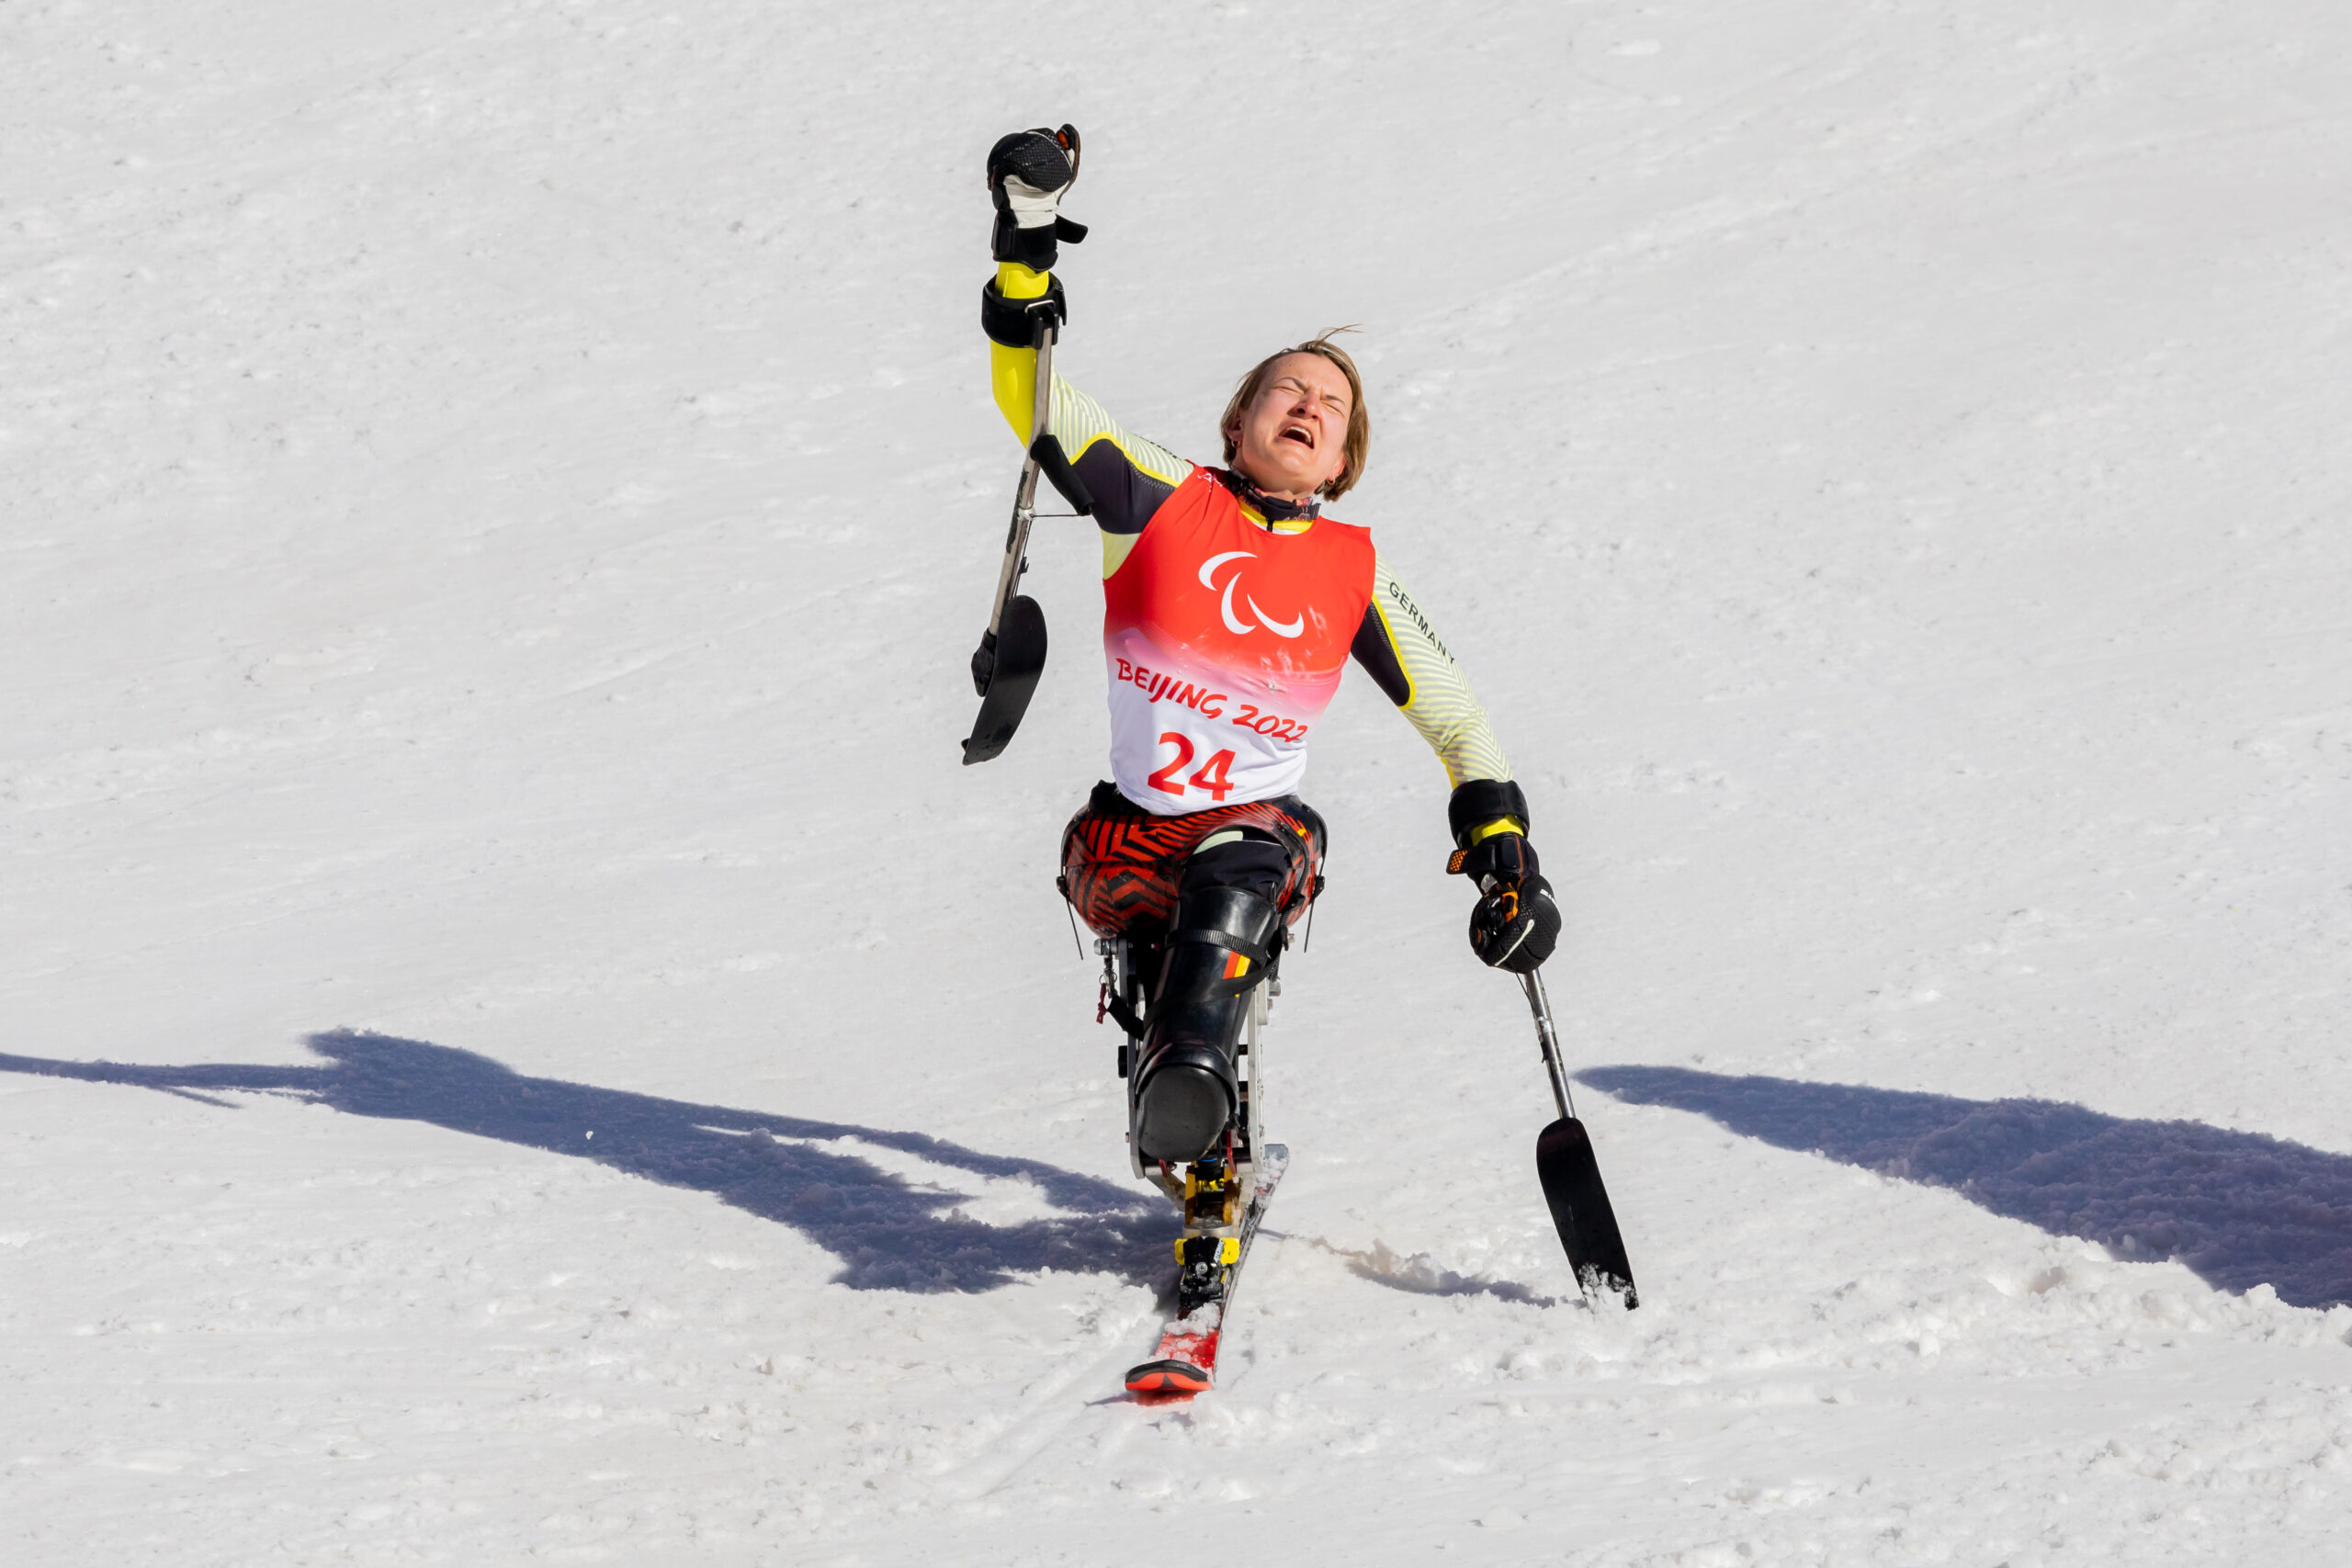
(1299, 389)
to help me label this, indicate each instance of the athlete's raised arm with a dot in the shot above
(1128, 476)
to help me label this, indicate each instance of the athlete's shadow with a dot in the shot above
(2239, 1209)
(888, 1233)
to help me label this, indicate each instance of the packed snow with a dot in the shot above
(524, 1043)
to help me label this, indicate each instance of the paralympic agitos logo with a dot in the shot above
(1225, 601)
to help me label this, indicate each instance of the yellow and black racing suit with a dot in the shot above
(1131, 479)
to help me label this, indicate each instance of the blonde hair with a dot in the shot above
(1357, 447)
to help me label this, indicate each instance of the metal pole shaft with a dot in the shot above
(1024, 500)
(1549, 1039)
(1041, 417)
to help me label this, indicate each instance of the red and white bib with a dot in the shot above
(1224, 643)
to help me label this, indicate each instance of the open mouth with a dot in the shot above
(1298, 432)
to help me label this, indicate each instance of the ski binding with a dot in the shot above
(1220, 1225)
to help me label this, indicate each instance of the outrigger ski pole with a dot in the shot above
(1011, 654)
(1571, 1176)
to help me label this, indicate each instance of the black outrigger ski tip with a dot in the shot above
(1014, 664)
(1571, 1175)
(1579, 1205)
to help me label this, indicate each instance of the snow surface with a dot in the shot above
(524, 1042)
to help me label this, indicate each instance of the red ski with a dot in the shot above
(1212, 1255)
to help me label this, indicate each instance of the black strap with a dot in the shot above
(1272, 511)
(1227, 939)
(1481, 801)
(1014, 323)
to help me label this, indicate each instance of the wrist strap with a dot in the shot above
(1482, 801)
(1013, 323)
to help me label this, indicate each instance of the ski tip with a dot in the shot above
(1180, 1379)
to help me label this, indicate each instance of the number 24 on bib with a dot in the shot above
(1216, 775)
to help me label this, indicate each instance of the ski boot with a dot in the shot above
(1186, 1086)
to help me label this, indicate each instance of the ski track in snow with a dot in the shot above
(525, 1044)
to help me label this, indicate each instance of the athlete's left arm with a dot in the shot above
(1397, 644)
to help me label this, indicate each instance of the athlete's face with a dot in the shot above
(1291, 439)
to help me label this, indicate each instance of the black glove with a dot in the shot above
(1517, 922)
(1028, 172)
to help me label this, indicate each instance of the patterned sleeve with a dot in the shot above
(1128, 476)
(1400, 649)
